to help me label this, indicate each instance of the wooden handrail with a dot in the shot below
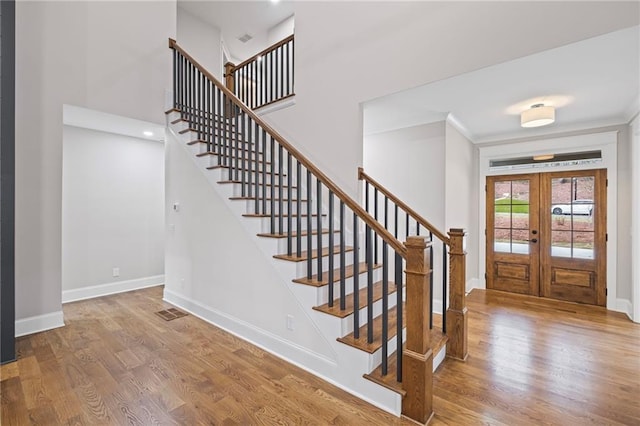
(421, 220)
(348, 201)
(264, 52)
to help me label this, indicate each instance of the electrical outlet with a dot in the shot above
(290, 322)
(116, 272)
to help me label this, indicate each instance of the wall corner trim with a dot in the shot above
(39, 323)
(625, 306)
(83, 293)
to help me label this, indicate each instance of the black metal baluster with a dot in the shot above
(399, 322)
(444, 287)
(375, 216)
(264, 172)
(319, 228)
(343, 285)
(407, 225)
(271, 77)
(273, 183)
(281, 86)
(175, 81)
(395, 221)
(236, 141)
(366, 207)
(356, 279)
(386, 213)
(280, 185)
(298, 210)
(309, 246)
(293, 51)
(244, 160)
(289, 206)
(369, 285)
(430, 279)
(287, 49)
(253, 160)
(385, 308)
(417, 228)
(330, 272)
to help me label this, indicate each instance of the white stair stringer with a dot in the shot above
(348, 365)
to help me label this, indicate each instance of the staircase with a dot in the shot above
(347, 264)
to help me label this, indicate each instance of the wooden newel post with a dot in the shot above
(417, 358)
(457, 312)
(229, 82)
(229, 79)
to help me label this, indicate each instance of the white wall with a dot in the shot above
(635, 219)
(461, 192)
(108, 56)
(112, 209)
(201, 40)
(372, 49)
(281, 30)
(410, 163)
(212, 264)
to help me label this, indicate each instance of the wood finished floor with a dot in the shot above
(532, 361)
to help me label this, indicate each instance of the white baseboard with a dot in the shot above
(39, 323)
(274, 344)
(625, 306)
(110, 288)
(473, 283)
(285, 103)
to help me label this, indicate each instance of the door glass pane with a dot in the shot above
(502, 240)
(572, 217)
(561, 243)
(583, 243)
(520, 241)
(511, 216)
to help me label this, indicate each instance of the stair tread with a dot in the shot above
(348, 273)
(215, 154)
(362, 294)
(294, 235)
(438, 340)
(284, 215)
(169, 111)
(195, 141)
(267, 172)
(314, 254)
(223, 182)
(361, 342)
(284, 200)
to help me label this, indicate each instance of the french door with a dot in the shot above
(546, 235)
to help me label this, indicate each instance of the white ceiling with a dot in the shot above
(594, 82)
(97, 120)
(238, 17)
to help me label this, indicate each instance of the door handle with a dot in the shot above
(533, 240)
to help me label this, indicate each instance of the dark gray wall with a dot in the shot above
(7, 180)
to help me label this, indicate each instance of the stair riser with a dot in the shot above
(262, 190)
(282, 242)
(347, 322)
(227, 174)
(323, 296)
(251, 208)
(301, 267)
(265, 224)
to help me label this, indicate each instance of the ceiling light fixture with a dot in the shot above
(538, 115)
(147, 133)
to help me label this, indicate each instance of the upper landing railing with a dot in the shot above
(264, 78)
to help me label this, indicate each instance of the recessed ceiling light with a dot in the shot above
(147, 133)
